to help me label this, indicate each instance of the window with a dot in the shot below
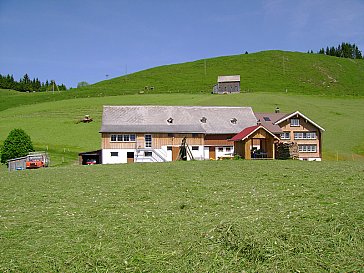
(147, 153)
(220, 149)
(170, 135)
(311, 148)
(169, 148)
(194, 135)
(304, 135)
(114, 153)
(228, 149)
(122, 138)
(266, 119)
(295, 122)
(148, 141)
(285, 135)
(194, 148)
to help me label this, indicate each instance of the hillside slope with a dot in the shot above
(268, 71)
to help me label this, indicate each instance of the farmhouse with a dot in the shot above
(155, 133)
(227, 85)
(260, 141)
(167, 133)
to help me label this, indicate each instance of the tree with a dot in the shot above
(17, 144)
(82, 84)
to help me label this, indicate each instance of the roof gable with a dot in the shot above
(300, 114)
(249, 131)
(234, 78)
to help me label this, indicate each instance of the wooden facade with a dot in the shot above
(265, 140)
(158, 140)
(304, 127)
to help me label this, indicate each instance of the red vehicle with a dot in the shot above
(36, 160)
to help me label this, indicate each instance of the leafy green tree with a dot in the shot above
(17, 144)
(82, 84)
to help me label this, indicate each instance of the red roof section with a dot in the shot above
(243, 134)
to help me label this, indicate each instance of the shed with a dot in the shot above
(255, 142)
(90, 158)
(17, 164)
(227, 85)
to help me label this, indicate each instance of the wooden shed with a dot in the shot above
(255, 142)
(227, 85)
(90, 158)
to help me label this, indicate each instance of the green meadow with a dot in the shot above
(207, 216)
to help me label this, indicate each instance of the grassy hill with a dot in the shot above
(268, 71)
(261, 216)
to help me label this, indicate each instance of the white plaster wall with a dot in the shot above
(198, 154)
(121, 158)
(224, 152)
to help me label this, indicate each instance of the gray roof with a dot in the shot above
(185, 119)
(234, 78)
(268, 120)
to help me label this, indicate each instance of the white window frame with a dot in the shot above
(295, 122)
(305, 135)
(114, 154)
(286, 135)
(307, 148)
(122, 138)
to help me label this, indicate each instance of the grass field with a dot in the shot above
(224, 216)
(53, 126)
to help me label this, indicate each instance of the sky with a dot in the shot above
(71, 41)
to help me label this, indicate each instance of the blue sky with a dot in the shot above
(74, 41)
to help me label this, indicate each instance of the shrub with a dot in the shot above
(17, 144)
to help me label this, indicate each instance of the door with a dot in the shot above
(175, 152)
(148, 141)
(130, 157)
(212, 152)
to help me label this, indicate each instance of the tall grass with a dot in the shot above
(235, 216)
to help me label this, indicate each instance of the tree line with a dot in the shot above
(345, 50)
(26, 84)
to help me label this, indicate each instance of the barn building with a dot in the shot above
(227, 85)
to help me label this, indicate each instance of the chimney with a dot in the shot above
(258, 122)
(277, 109)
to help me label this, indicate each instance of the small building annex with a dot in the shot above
(156, 133)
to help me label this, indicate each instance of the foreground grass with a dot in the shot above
(227, 216)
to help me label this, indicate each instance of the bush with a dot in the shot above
(17, 144)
